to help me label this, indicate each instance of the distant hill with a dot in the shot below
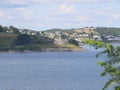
(103, 31)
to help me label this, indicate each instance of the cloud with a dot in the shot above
(115, 15)
(1, 13)
(83, 18)
(64, 9)
(51, 19)
(58, 13)
(20, 2)
(41, 1)
(77, 0)
(16, 14)
(10, 17)
(24, 12)
(25, 3)
(13, 3)
(68, 1)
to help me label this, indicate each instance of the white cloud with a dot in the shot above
(17, 1)
(83, 18)
(64, 9)
(14, 3)
(16, 14)
(23, 3)
(67, 1)
(51, 19)
(115, 15)
(1, 14)
(10, 17)
(24, 12)
(78, 0)
(41, 1)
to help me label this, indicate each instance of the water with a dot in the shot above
(50, 71)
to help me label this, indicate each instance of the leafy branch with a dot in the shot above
(112, 65)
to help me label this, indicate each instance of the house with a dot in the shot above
(97, 37)
(59, 41)
(85, 35)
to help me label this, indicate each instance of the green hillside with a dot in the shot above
(108, 31)
(7, 40)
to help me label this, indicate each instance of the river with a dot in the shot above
(50, 71)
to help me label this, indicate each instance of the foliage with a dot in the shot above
(23, 39)
(44, 40)
(108, 31)
(72, 41)
(7, 40)
(3, 29)
(14, 29)
(64, 36)
(11, 29)
(112, 65)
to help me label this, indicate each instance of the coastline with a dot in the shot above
(45, 50)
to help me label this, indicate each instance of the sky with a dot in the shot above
(47, 14)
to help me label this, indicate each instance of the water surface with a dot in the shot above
(50, 71)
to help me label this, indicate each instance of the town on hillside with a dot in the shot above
(61, 35)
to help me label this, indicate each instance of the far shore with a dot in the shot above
(46, 50)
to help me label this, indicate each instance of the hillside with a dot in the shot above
(12, 38)
(7, 40)
(109, 34)
(103, 31)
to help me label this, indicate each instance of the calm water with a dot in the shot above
(50, 71)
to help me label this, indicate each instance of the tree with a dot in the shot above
(5, 29)
(44, 40)
(23, 39)
(72, 41)
(1, 28)
(14, 29)
(64, 36)
(112, 65)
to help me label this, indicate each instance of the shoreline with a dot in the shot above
(45, 50)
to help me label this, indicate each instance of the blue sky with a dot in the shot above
(47, 14)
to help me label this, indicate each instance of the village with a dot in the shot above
(62, 36)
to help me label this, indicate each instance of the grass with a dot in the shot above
(7, 40)
(67, 46)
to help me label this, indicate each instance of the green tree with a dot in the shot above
(23, 39)
(64, 36)
(44, 40)
(1, 28)
(5, 29)
(73, 41)
(14, 29)
(111, 66)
